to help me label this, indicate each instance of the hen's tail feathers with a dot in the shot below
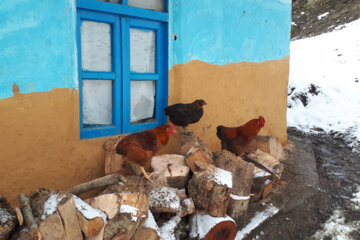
(220, 132)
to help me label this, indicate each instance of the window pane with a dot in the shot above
(97, 102)
(142, 101)
(142, 50)
(96, 46)
(157, 5)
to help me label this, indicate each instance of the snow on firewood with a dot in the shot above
(258, 219)
(167, 231)
(130, 209)
(151, 223)
(223, 177)
(236, 197)
(164, 198)
(51, 205)
(204, 223)
(88, 211)
(258, 173)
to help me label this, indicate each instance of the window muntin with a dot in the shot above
(132, 89)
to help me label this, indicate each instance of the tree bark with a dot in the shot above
(262, 184)
(29, 217)
(96, 183)
(237, 208)
(8, 220)
(206, 227)
(208, 193)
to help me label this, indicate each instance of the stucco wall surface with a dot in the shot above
(235, 93)
(231, 31)
(40, 144)
(37, 45)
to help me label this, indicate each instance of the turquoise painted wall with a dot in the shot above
(229, 31)
(37, 45)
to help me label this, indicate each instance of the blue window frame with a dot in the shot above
(120, 19)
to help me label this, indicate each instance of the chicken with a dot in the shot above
(235, 139)
(139, 148)
(182, 114)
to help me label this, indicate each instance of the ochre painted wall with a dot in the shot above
(235, 93)
(40, 144)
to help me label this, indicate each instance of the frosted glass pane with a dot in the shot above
(96, 46)
(142, 100)
(97, 102)
(157, 5)
(142, 50)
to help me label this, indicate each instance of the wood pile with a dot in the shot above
(195, 194)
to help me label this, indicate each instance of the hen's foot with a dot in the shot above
(146, 175)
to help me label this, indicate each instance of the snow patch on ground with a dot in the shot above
(330, 61)
(323, 15)
(204, 224)
(223, 177)
(88, 211)
(167, 230)
(356, 199)
(259, 218)
(336, 228)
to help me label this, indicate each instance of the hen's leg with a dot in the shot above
(145, 174)
(186, 132)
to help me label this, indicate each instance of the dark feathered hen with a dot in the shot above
(182, 114)
(236, 139)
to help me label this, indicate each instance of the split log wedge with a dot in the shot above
(67, 211)
(267, 144)
(149, 230)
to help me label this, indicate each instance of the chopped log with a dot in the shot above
(173, 167)
(267, 144)
(137, 184)
(107, 203)
(24, 234)
(91, 220)
(262, 184)
(206, 227)
(190, 141)
(164, 199)
(29, 217)
(8, 220)
(196, 154)
(96, 183)
(149, 230)
(38, 198)
(68, 214)
(266, 162)
(210, 191)
(132, 214)
(242, 171)
(187, 205)
(237, 208)
(51, 227)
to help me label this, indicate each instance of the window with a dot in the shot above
(122, 58)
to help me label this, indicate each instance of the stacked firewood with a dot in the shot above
(208, 191)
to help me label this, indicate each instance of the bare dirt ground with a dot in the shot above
(321, 173)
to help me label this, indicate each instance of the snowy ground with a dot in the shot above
(325, 96)
(331, 63)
